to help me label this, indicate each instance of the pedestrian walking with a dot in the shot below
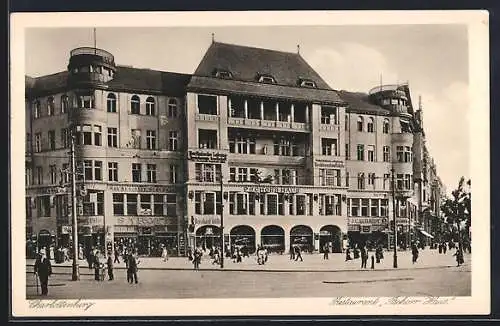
(373, 263)
(90, 258)
(110, 267)
(97, 266)
(164, 253)
(292, 252)
(197, 258)
(326, 251)
(364, 257)
(414, 253)
(444, 247)
(459, 256)
(348, 254)
(298, 254)
(132, 268)
(117, 256)
(43, 269)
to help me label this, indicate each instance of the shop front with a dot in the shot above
(303, 237)
(367, 231)
(273, 239)
(330, 235)
(243, 238)
(208, 236)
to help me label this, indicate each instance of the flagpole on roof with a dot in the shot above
(95, 42)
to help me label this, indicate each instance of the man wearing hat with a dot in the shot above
(43, 269)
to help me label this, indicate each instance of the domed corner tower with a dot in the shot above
(393, 98)
(90, 67)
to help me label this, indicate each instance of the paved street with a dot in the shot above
(433, 275)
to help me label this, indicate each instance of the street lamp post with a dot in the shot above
(222, 220)
(395, 261)
(75, 276)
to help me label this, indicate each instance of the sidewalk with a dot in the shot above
(281, 263)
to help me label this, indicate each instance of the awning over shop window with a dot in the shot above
(427, 234)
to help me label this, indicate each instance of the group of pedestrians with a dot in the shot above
(296, 253)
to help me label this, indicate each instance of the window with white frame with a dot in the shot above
(150, 106)
(111, 103)
(281, 204)
(112, 137)
(370, 125)
(172, 108)
(52, 139)
(207, 138)
(118, 204)
(93, 203)
(361, 181)
(65, 140)
(242, 174)
(360, 152)
(151, 139)
(206, 172)
(113, 171)
(232, 174)
(50, 106)
(408, 181)
(371, 153)
(87, 134)
(136, 172)
(408, 154)
(360, 123)
(38, 142)
(36, 110)
(172, 173)
(354, 206)
(151, 173)
(329, 115)
(86, 101)
(387, 153)
(329, 146)
(384, 207)
(272, 204)
(28, 176)
(53, 174)
(400, 153)
(364, 206)
(387, 183)
(135, 105)
(399, 182)
(371, 179)
(385, 128)
(329, 177)
(172, 140)
(64, 104)
(98, 170)
(97, 136)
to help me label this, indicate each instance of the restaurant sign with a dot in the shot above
(213, 220)
(212, 157)
(271, 189)
(141, 220)
(136, 189)
(367, 220)
(328, 163)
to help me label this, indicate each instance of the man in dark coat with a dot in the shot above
(110, 267)
(97, 266)
(326, 250)
(43, 269)
(364, 256)
(132, 268)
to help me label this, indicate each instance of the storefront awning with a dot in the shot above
(427, 234)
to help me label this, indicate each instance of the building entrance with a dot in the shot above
(331, 235)
(208, 236)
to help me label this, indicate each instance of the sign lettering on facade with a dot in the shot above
(211, 157)
(91, 220)
(142, 220)
(271, 189)
(328, 163)
(367, 220)
(214, 220)
(129, 188)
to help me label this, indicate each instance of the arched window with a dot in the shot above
(172, 108)
(370, 124)
(150, 106)
(50, 106)
(360, 123)
(135, 105)
(36, 110)
(111, 102)
(64, 104)
(385, 129)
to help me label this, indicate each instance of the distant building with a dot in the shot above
(301, 163)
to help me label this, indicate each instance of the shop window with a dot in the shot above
(145, 205)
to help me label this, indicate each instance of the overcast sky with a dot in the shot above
(432, 58)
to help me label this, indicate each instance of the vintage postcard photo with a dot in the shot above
(258, 163)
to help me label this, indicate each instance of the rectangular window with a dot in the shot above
(28, 176)
(384, 207)
(364, 207)
(347, 152)
(207, 139)
(53, 174)
(65, 138)
(232, 174)
(98, 170)
(374, 207)
(254, 175)
(329, 146)
(387, 154)
(285, 147)
(330, 177)
(361, 152)
(207, 104)
(371, 153)
(407, 154)
(242, 174)
(407, 181)
(87, 134)
(354, 206)
(52, 139)
(87, 169)
(173, 173)
(400, 153)
(136, 172)
(361, 181)
(131, 204)
(150, 107)
(145, 205)
(300, 208)
(399, 182)
(329, 115)
(38, 142)
(28, 143)
(197, 203)
(86, 101)
(209, 203)
(43, 206)
(113, 171)
(97, 136)
(158, 205)
(93, 203)
(135, 140)
(112, 137)
(151, 172)
(208, 172)
(386, 182)
(151, 139)
(171, 203)
(172, 141)
(281, 204)
(172, 108)
(347, 181)
(272, 204)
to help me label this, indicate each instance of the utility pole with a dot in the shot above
(222, 219)
(395, 262)
(75, 276)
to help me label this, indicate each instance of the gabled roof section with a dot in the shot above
(360, 103)
(247, 63)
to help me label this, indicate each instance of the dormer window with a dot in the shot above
(307, 83)
(223, 74)
(267, 79)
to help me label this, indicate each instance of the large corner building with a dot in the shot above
(255, 140)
